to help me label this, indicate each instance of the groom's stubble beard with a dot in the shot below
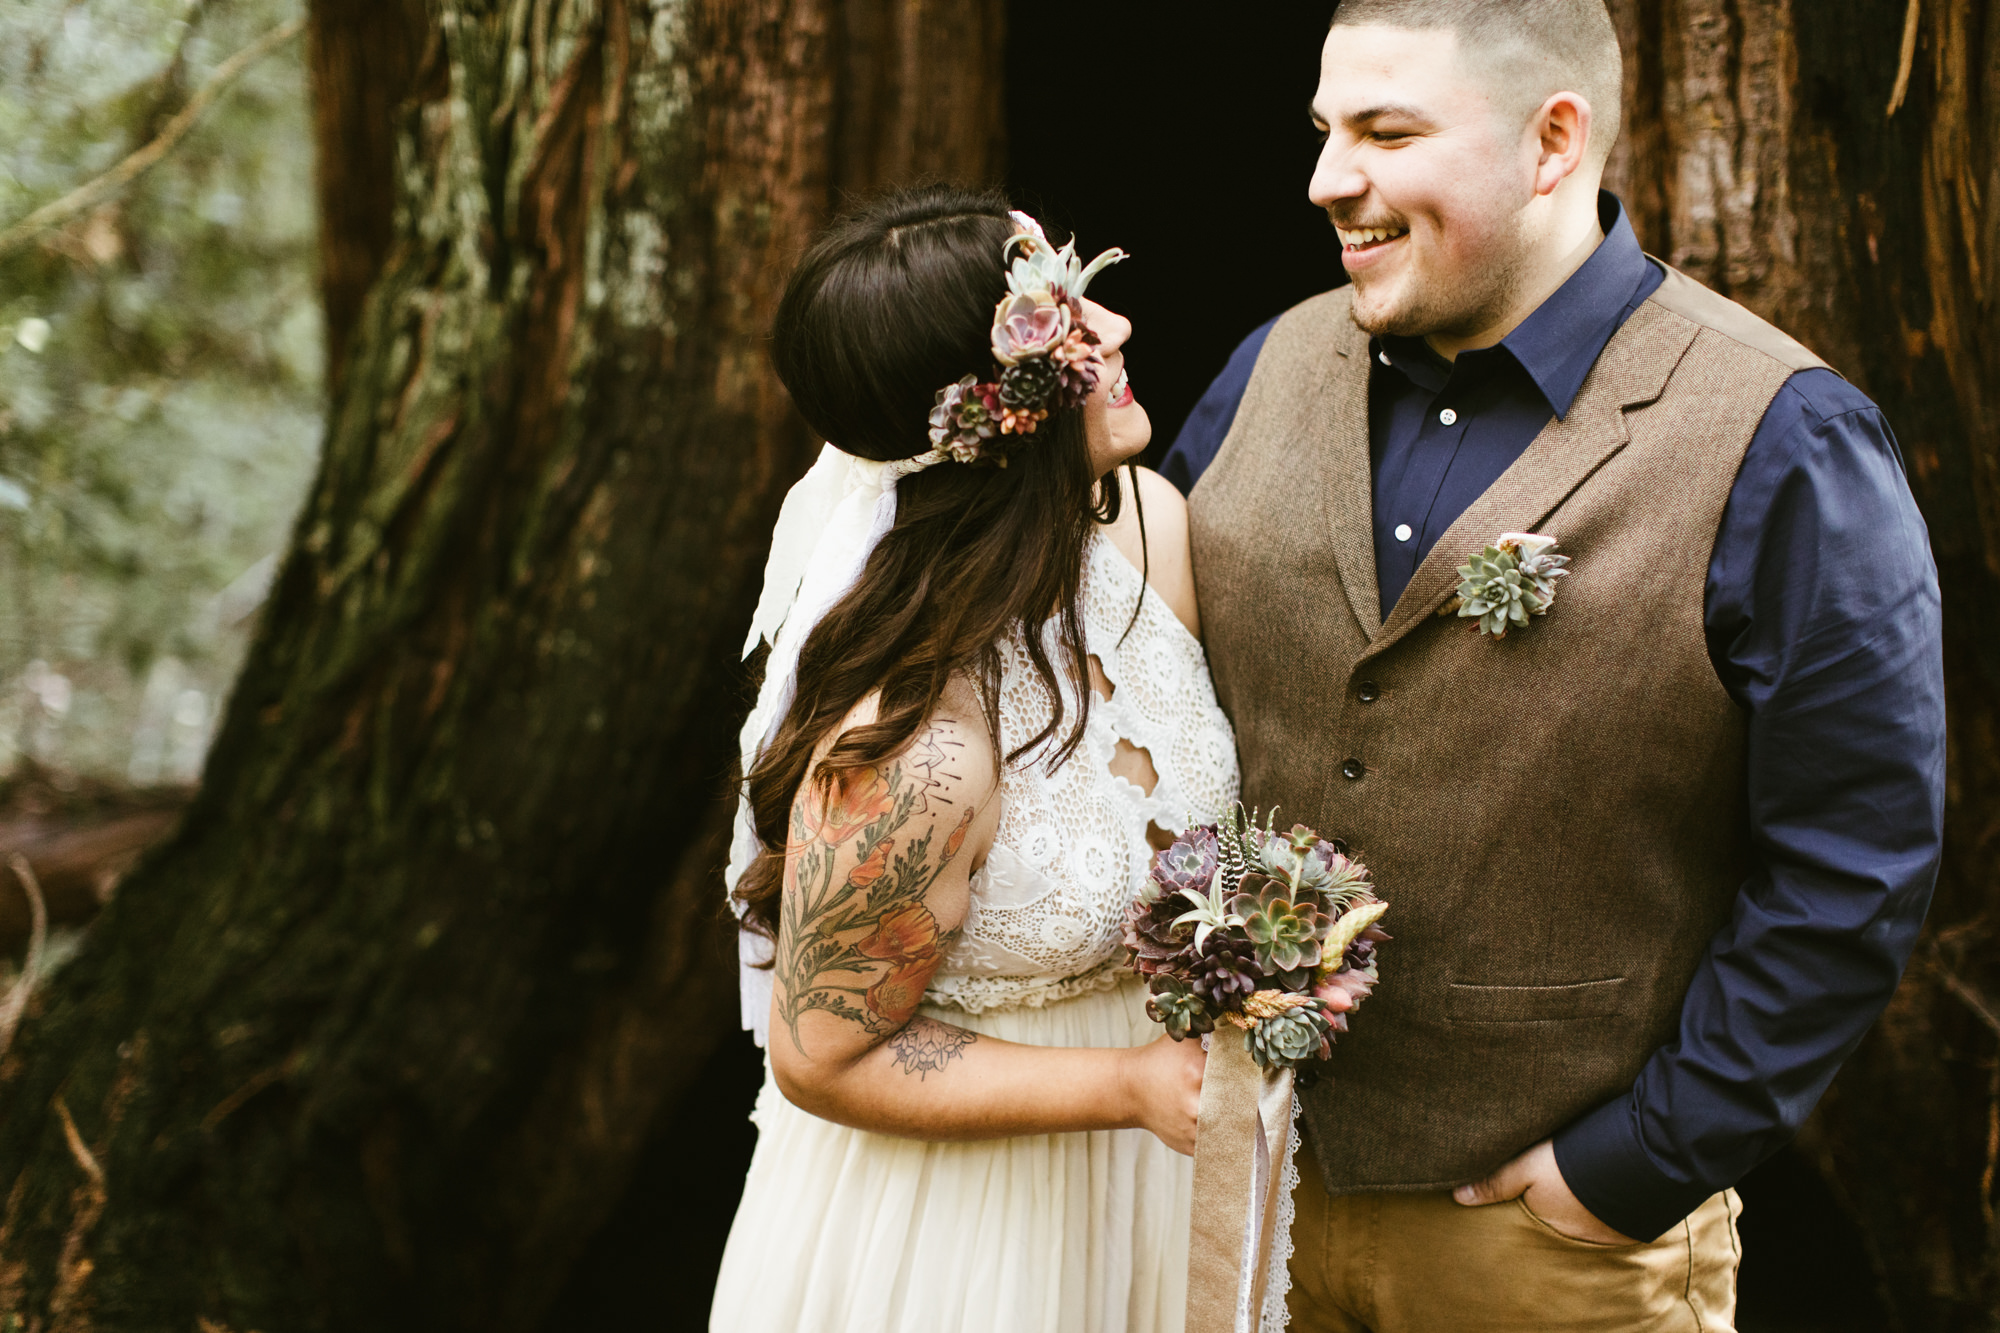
(1420, 301)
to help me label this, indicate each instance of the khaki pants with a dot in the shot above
(1419, 1263)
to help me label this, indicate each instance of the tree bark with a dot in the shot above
(1833, 168)
(373, 1040)
(363, 56)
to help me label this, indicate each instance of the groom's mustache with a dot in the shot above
(1350, 222)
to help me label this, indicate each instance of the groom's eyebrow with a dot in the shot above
(1369, 114)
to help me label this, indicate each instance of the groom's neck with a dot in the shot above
(1548, 265)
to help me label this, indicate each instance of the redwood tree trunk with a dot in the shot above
(373, 1041)
(1833, 167)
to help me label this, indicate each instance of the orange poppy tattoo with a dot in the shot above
(907, 932)
(863, 946)
(853, 805)
(894, 999)
(864, 875)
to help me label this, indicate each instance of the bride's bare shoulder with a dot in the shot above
(1163, 554)
(950, 757)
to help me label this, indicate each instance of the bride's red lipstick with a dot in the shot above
(1122, 392)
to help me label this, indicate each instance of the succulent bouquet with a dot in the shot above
(1246, 927)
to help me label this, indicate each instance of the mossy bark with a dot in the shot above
(372, 1041)
(1833, 167)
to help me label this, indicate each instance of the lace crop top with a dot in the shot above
(1048, 906)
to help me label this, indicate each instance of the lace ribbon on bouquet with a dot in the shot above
(1244, 1169)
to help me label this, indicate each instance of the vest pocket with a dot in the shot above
(1533, 1004)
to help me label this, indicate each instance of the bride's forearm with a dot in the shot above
(932, 1080)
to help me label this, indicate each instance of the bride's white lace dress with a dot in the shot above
(845, 1231)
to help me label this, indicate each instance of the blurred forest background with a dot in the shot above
(385, 440)
(160, 379)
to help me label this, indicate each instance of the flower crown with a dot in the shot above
(1045, 356)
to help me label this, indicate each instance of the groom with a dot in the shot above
(1657, 856)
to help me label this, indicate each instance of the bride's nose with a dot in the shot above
(1111, 328)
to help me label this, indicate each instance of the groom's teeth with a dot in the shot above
(1368, 235)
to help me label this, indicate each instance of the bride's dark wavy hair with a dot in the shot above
(891, 304)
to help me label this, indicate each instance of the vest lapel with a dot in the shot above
(1632, 370)
(1340, 443)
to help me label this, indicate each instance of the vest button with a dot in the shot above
(1368, 692)
(1352, 769)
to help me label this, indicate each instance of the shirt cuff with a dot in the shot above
(1611, 1173)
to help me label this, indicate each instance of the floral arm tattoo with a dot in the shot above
(864, 946)
(927, 1045)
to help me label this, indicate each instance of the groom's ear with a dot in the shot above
(1562, 126)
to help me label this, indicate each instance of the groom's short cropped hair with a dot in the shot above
(1530, 48)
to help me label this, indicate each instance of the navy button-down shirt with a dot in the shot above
(1823, 624)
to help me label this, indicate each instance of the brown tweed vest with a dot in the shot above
(1558, 819)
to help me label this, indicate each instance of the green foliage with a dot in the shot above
(160, 362)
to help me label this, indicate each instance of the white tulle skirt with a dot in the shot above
(844, 1231)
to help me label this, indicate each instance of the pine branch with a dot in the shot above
(94, 191)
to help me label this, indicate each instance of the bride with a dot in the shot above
(978, 719)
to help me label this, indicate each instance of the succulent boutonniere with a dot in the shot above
(1508, 582)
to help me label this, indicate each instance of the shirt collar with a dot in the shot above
(1560, 341)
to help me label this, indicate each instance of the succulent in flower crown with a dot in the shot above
(1175, 1008)
(1030, 384)
(962, 421)
(1507, 583)
(1226, 973)
(1044, 353)
(1289, 1039)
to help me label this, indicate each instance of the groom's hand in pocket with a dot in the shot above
(1536, 1180)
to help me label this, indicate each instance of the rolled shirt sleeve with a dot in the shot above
(1824, 625)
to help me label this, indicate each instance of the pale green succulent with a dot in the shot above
(1173, 1006)
(1211, 912)
(1039, 267)
(1506, 584)
(1287, 928)
(1287, 1040)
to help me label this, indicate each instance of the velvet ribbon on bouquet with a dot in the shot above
(1240, 1146)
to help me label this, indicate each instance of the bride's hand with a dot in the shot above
(1163, 1080)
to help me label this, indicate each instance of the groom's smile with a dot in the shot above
(1429, 175)
(1367, 238)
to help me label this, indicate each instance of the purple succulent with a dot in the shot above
(1225, 973)
(1157, 945)
(1190, 863)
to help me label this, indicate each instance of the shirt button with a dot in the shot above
(1448, 417)
(1402, 532)
(1368, 692)
(1352, 769)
